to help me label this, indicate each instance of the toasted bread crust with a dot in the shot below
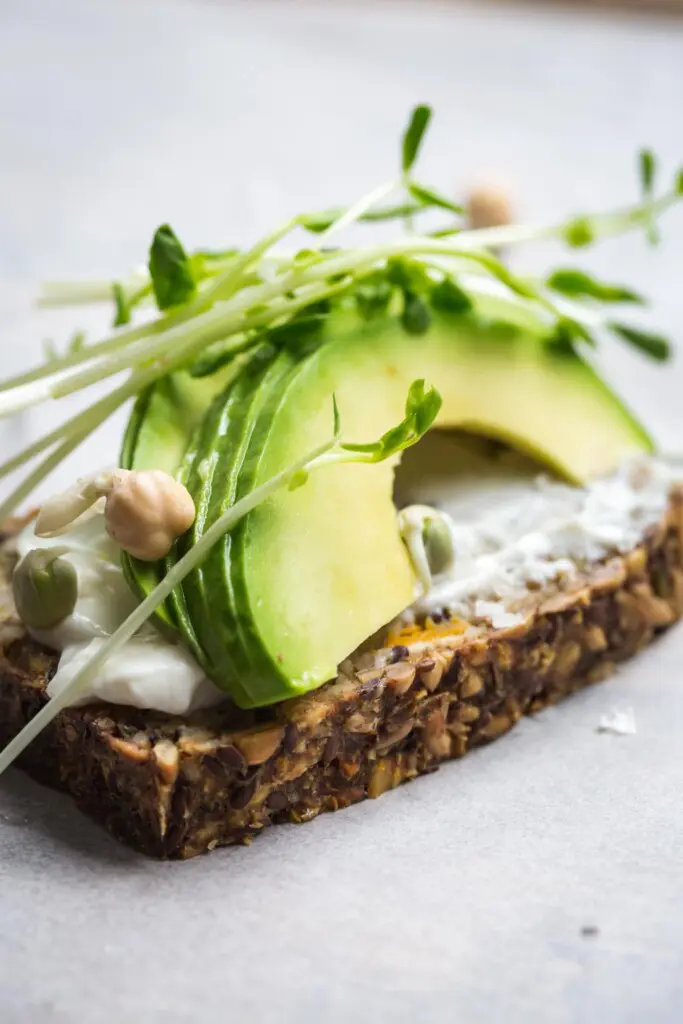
(176, 787)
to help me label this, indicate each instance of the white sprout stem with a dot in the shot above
(212, 326)
(353, 262)
(113, 343)
(217, 324)
(84, 293)
(358, 209)
(80, 682)
(604, 225)
(8, 506)
(86, 422)
(78, 429)
(74, 431)
(83, 420)
(222, 285)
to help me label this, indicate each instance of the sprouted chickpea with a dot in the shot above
(489, 206)
(145, 511)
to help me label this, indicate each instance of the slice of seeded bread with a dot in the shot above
(177, 787)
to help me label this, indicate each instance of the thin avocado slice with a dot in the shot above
(163, 422)
(312, 573)
(215, 486)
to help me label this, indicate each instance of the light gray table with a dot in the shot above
(461, 897)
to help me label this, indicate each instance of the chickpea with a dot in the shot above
(146, 511)
(489, 206)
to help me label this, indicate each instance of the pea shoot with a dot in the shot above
(214, 307)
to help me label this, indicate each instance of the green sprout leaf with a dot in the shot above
(307, 258)
(303, 331)
(413, 136)
(422, 407)
(320, 221)
(429, 197)
(122, 314)
(498, 270)
(647, 168)
(448, 297)
(678, 184)
(561, 340)
(409, 274)
(76, 342)
(654, 345)
(169, 267)
(373, 295)
(214, 255)
(579, 233)
(415, 316)
(298, 480)
(74, 345)
(213, 360)
(578, 284)
(575, 330)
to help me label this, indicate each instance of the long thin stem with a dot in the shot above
(603, 226)
(113, 343)
(225, 285)
(8, 506)
(82, 425)
(77, 293)
(214, 325)
(139, 615)
(82, 420)
(222, 285)
(358, 210)
(221, 322)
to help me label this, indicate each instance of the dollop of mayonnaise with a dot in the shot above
(148, 671)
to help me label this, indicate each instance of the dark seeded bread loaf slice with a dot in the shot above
(177, 787)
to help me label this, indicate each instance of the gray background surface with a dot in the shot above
(462, 896)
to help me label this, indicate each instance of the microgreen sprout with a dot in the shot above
(169, 268)
(413, 136)
(579, 284)
(212, 307)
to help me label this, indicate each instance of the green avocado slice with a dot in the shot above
(164, 420)
(317, 571)
(310, 574)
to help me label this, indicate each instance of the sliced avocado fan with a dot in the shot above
(312, 573)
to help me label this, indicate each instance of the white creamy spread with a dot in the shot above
(149, 671)
(546, 534)
(511, 533)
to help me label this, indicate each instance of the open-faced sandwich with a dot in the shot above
(373, 504)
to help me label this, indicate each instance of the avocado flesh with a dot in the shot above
(320, 569)
(312, 573)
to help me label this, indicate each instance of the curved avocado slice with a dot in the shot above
(310, 574)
